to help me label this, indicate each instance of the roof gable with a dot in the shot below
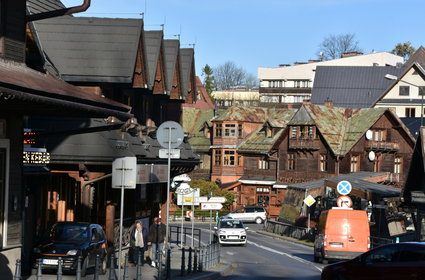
(186, 67)
(91, 49)
(418, 57)
(153, 44)
(171, 54)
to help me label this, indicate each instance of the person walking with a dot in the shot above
(156, 238)
(138, 242)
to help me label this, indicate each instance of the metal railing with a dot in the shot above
(177, 236)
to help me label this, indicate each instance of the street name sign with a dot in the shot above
(211, 206)
(217, 199)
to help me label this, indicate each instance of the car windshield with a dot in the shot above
(69, 233)
(231, 224)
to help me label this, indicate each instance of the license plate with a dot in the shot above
(50, 261)
(336, 245)
(233, 237)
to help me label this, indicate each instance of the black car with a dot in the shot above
(390, 262)
(69, 240)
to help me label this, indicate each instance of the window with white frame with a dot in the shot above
(230, 130)
(355, 163)
(263, 190)
(217, 157)
(263, 164)
(229, 158)
(293, 132)
(291, 161)
(218, 130)
(397, 165)
(323, 162)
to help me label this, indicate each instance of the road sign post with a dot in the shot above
(124, 173)
(169, 135)
(309, 200)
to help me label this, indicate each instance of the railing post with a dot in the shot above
(17, 270)
(139, 267)
(168, 266)
(195, 261)
(189, 262)
(39, 275)
(125, 277)
(78, 272)
(182, 263)
(112, 275)
(96, 267)
(59, 273)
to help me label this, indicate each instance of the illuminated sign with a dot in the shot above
(36, 156)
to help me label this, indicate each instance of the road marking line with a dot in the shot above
(284, 254)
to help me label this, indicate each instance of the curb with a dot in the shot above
(222, 270)
(287, 238)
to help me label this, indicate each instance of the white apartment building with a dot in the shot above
(291, 85)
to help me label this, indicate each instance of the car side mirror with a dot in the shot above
(215, 228)
(246, 228)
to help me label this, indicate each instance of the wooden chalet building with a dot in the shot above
(324, 141)
(127, 64)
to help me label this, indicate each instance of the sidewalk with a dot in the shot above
(149, 272)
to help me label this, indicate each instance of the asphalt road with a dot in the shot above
(267, 258)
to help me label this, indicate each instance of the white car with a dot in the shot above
(230, 231)
(255, 214)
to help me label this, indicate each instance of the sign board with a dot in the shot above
(184, 189)
(189, 214)
(211, 206)
(124, 173)
(188, 197)
(151, 173)
(344, 201)
(343, 187)
(219, 199)
(174, 153)
(309, 200)
(170, 134)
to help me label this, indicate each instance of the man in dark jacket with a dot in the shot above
(138, 242)
(156, 238)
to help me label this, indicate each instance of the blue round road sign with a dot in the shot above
(343, 187)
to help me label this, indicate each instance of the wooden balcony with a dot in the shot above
(382, 146)
(304, 144)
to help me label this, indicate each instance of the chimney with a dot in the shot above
(348, 54)
(328, 103)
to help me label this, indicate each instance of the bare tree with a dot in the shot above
(251, 81)
(229, 75)
(334, 46)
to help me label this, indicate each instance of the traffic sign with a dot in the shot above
(189, 214)
(219, 199)
(309, 200)
(211, 206)
(170, 134)
(344, 201)
(124, 173)
(343, 187)
(184, 189)
(174, 153)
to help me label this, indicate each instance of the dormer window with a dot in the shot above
(269, 132)
(207, 133)
(230, 130)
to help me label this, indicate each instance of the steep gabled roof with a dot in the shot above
(88, 49)
(418, 57)
(342, 128)
(258, 142)
(153, 43)
(243, 114)
(186, 67)
(171, 53)
(351, 86)
(418, 68)
(194, 120)
(38, 6)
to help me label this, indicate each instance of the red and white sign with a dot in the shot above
(344, 201)
(189, 214)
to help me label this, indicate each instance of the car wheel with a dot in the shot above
(258, 220)
(84, 267)
(324, 261)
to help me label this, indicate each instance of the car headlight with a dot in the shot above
(243, 232)
(222, 232)
(72, 252)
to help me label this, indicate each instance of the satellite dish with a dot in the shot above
(369, 134)
(371, 156)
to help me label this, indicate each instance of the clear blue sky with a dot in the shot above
(266, 33)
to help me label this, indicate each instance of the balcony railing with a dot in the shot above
(304, 144)
(382, 146)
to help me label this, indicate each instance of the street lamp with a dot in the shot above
(395, 78)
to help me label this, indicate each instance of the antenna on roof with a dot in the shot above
(143, 15)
